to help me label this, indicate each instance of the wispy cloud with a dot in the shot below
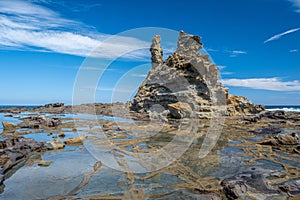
(236, 53)
(66, 4)
(25, 25)
(296, 4)
(294, 50)
(226, 73)
(231, 53)
(222, 72)
(274, 84)
(276, 37)
(211, 50)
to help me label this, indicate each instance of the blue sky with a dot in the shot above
(43, 44)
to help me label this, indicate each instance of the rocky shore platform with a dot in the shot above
(257, 156)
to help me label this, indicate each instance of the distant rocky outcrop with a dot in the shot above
(186, 81)
(54, 105)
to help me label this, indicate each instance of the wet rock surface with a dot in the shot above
(14, 151)
(291, 187)
(251, 183)
(266, 131)
(278, 115)
(238, 166)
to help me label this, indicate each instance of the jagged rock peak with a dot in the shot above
(156, 52)
(188, 43)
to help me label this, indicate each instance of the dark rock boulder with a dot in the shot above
(251, 184)
(281, 139)
(267, 131)
(39, 121)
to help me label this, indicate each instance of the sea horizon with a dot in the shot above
(292, 108)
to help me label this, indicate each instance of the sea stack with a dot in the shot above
(187, 81)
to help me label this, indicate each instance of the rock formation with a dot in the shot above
(186, 81)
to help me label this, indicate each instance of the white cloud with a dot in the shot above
(226, 73)
(276, 37)
(236, 53)
(239, 52)
(28, 26)
(294, 50)
(296, 4)
(274, 84)
(211, 50)
(24, 8)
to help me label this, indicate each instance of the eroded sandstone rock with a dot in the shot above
(237, 105)
(44, 163)
(8, 126)
(186, 77)
(76, 140)
(55, 144)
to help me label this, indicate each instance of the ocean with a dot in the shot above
(284, 108)
(19, 106)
